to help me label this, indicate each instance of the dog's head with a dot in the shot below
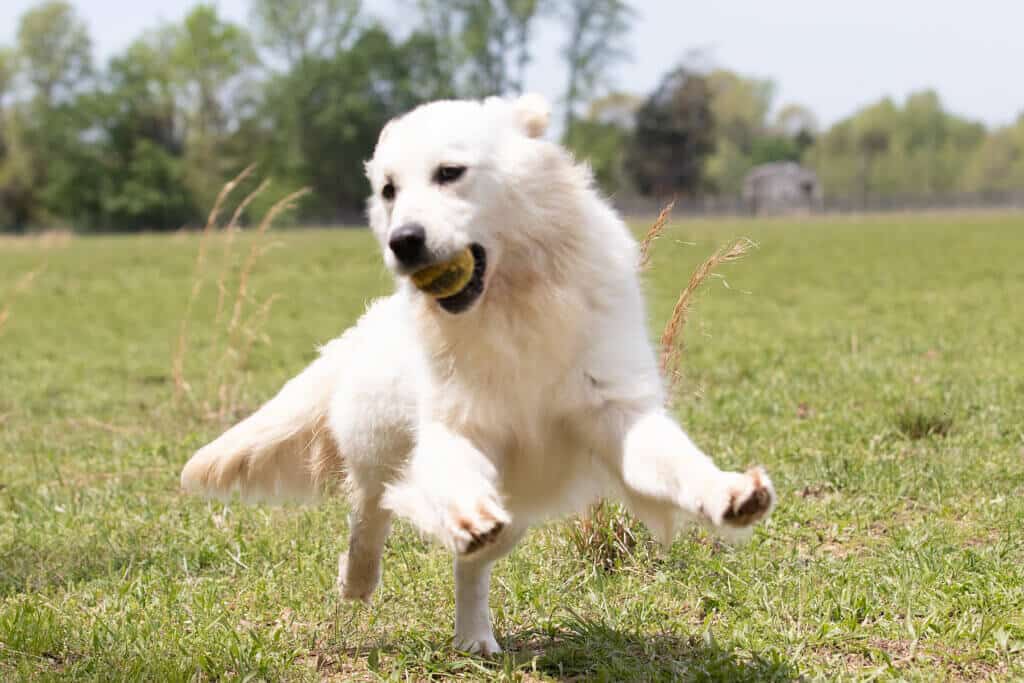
(443, 176)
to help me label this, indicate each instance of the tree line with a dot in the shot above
(146, 140)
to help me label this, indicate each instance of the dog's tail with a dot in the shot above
(283, 450)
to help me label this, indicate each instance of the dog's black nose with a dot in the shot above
(409, 243)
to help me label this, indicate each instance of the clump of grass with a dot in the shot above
(605, 535)
(23, 284)
(235, 334)
(917, 424)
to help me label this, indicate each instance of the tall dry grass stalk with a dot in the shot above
(234, 338)
(23, 284)
(654, 233)
(182, 387)
(672, 337)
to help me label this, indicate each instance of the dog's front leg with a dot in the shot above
(660, 464)
(449, 491)
(473, 631)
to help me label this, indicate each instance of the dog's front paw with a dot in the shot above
(741, 501)
(464, 524)
(474, 526)
(751, 500)
(483, 644)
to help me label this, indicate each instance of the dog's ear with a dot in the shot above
(533, 113)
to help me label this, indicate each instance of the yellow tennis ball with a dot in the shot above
(446, 279)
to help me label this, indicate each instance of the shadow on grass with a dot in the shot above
(584, 649)
(574, 649)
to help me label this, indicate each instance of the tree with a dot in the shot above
(490, 41)
(44, 135)
(55, 49)
(8, 71)
(674, 136)
(740, 106)
(886, 149)
(293, 30)
(320, 120)
(799, 124)
(496, 36)
(998, 163)
(18, 188)
(602, 137)
(209, 56)
(143, 144)
(595, 30)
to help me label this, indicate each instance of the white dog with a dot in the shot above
(528, 392)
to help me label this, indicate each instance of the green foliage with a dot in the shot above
(293, 30)
(740, 106)
(147, 140)
(997, 165)
(55, 50)
(600, 145)
(872, 365)
(486, 45)
(210, 56)
(8, 71)
(601, 139)
(323, 118)
(595, 30)
(145, 184)
(674, 134)
(19, 204)
(744, 138)
(886, 150)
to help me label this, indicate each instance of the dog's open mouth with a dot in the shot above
(463, 299)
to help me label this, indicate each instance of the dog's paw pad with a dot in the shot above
(484, 537)
(478, 528)
(751, 501)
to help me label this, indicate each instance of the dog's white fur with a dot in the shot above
(475, 426)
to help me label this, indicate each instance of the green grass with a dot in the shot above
(874, 365)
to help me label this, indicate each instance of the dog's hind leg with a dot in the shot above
(359, 568)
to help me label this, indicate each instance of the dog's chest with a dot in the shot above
(521, 420)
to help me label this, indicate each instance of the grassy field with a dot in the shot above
(874, 365)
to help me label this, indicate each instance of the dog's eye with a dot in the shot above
(388, 191)
(448, 174)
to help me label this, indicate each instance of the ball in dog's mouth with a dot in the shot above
(456, 283)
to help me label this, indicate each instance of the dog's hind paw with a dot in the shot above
(357, 581)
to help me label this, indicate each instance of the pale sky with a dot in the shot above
(831, 55)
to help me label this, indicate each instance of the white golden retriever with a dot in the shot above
(527, 393)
